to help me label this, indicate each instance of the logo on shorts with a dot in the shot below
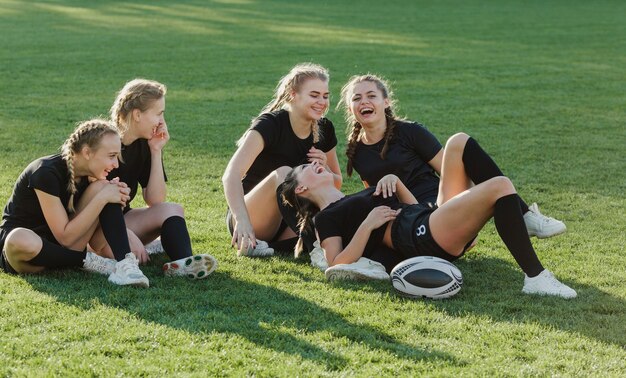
(421, 230)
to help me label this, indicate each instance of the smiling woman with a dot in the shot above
(290, 130)
(139, 114)
(60, 202)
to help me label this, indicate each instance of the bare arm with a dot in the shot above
(335, 253)
(233, 189)
(156, 191)
(75, 233)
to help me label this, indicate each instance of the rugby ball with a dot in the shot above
(426, 277)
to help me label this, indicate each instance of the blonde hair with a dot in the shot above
(136, 94)
(354, 128)
(87, 133)
(292, 82)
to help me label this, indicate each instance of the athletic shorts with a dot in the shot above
(231, 226)
(4, 263)
(410, 234)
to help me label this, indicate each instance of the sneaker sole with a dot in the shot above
(543, 293)
(195, 267)
(546, 236)
(142, 282)
(335, 275)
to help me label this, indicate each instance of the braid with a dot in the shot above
(305, 208)
(87, 133)
(315, 130)
(389, 130)
(351, 148)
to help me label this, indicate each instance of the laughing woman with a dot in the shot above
(289, 131)
(380, 143)
(389, 225)
(54, 211)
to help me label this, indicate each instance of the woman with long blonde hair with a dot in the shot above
(290, 130)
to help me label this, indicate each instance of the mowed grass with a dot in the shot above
(540, 84)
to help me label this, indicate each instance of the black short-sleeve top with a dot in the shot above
(410, 149)
(134, 170)
(48, 174)
(343, 218)
(282, 147)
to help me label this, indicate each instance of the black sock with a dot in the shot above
(480, 167)
(175, 238)
(114, 230)
(512, 230)
(55, 256)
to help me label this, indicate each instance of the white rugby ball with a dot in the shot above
(427, 277)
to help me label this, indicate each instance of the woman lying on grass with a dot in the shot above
(389, 228)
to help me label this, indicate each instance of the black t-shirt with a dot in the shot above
(282, 146)
(48, 174)
(135, 169)
(410, 149)
(343, 218)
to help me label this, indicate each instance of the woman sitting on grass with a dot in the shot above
(55, 210)
(290, 130)
(377, 225)
(379, 144)
(138, 112)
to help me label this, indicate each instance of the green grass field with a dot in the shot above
(541, 84)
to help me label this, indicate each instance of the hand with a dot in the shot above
(315, 155)
(160, 136)
(114, 193)
(243, 237)
(137, 247)
(379, 216)
(387, 186)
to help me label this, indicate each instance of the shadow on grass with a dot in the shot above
(265, 316)
(492, 288)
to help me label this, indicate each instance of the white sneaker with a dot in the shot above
(262, 249)
(546, 284)
(127, 272)
(363, 269)
(154, 247)
(197, 267)
(318, 259)
(540, 225)
(98, 264)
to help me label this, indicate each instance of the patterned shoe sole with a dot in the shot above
(196, 267)
(336, 275)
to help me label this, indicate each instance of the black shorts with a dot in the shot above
(410, 233)
(4, 263)
(231, 227)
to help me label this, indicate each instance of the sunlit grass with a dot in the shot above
(540, 85)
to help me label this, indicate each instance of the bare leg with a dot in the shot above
(21, 246)
(263, 209)
(458, 220)
(146, 222)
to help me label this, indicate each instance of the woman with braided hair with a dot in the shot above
(389, 226)
(60, 202)
(379, 143)
(138, 113)
(289, 131)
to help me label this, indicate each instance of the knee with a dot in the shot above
(170, 209)
(501, 186)
(23, 243)
(457, 142)
(280, 173)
